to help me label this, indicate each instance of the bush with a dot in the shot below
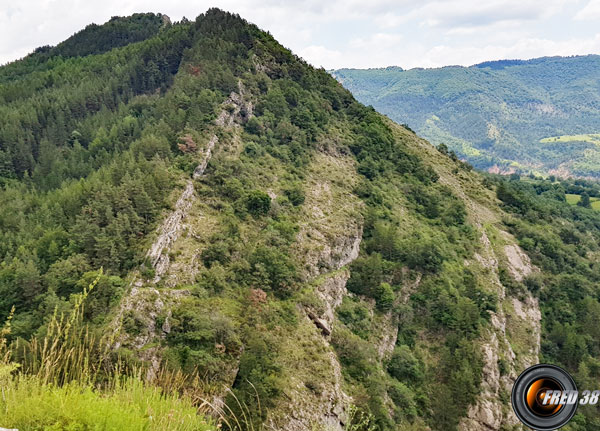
(403, 398)
(274, 269)
(404, 366)
(213, 279)
(107, 293)
(423, 253)
(384, 297)
(258, 380)
(384, 240)
(295, 195)
(584, 201)
(258, 203)
(356, 355)
(356, 317)
(534, 283)
(218, 251)
(254, 126)
(366, 275)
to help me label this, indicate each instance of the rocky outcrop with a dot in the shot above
(387, 332)
(328, 241)
(166, 20)
(332, 254)
(168, 232)
(323, 325)
(199, 171)
(489, 412)
(519, 264)
(143, 306)
(236, 109)
(144, 303)
(511, 342)
(327, 409)
(331, 292)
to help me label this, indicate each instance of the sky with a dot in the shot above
(346, 33)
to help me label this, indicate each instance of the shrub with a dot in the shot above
(403, 398)
(356, 355)
(213, 279)
(404, 366)
(356, 317)
(107, 292)
(534, 282)
(384, 240)
(254, 126)
(368, 167)
(274, 269)
(295, 195)
(384, 297)
(584, 201)
(258, 380)
(423, 253)
(216, 252)
(366, 275)
(258, 203)
(233, 188)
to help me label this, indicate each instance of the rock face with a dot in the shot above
(328, 241)
(169, 230)
(332, 254)
(199, 171)
(489, 412)
(144, 303)
(519, 264)
(144, 306)
(327, 409)
(329, 414)
(332, 292)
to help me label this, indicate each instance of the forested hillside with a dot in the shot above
(538, 115)
(224, 227)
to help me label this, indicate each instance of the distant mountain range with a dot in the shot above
(540, 115)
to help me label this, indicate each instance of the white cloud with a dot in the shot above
(590, 12)
(320, 56)
(465, 13)
(523, 49)
(373, 51)
(377, 41)
(345, 33)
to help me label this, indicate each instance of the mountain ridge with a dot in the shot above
(301, 260)
(483, 64)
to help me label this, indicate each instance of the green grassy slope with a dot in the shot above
(504, 110)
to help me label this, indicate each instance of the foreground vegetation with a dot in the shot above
(62, 382)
